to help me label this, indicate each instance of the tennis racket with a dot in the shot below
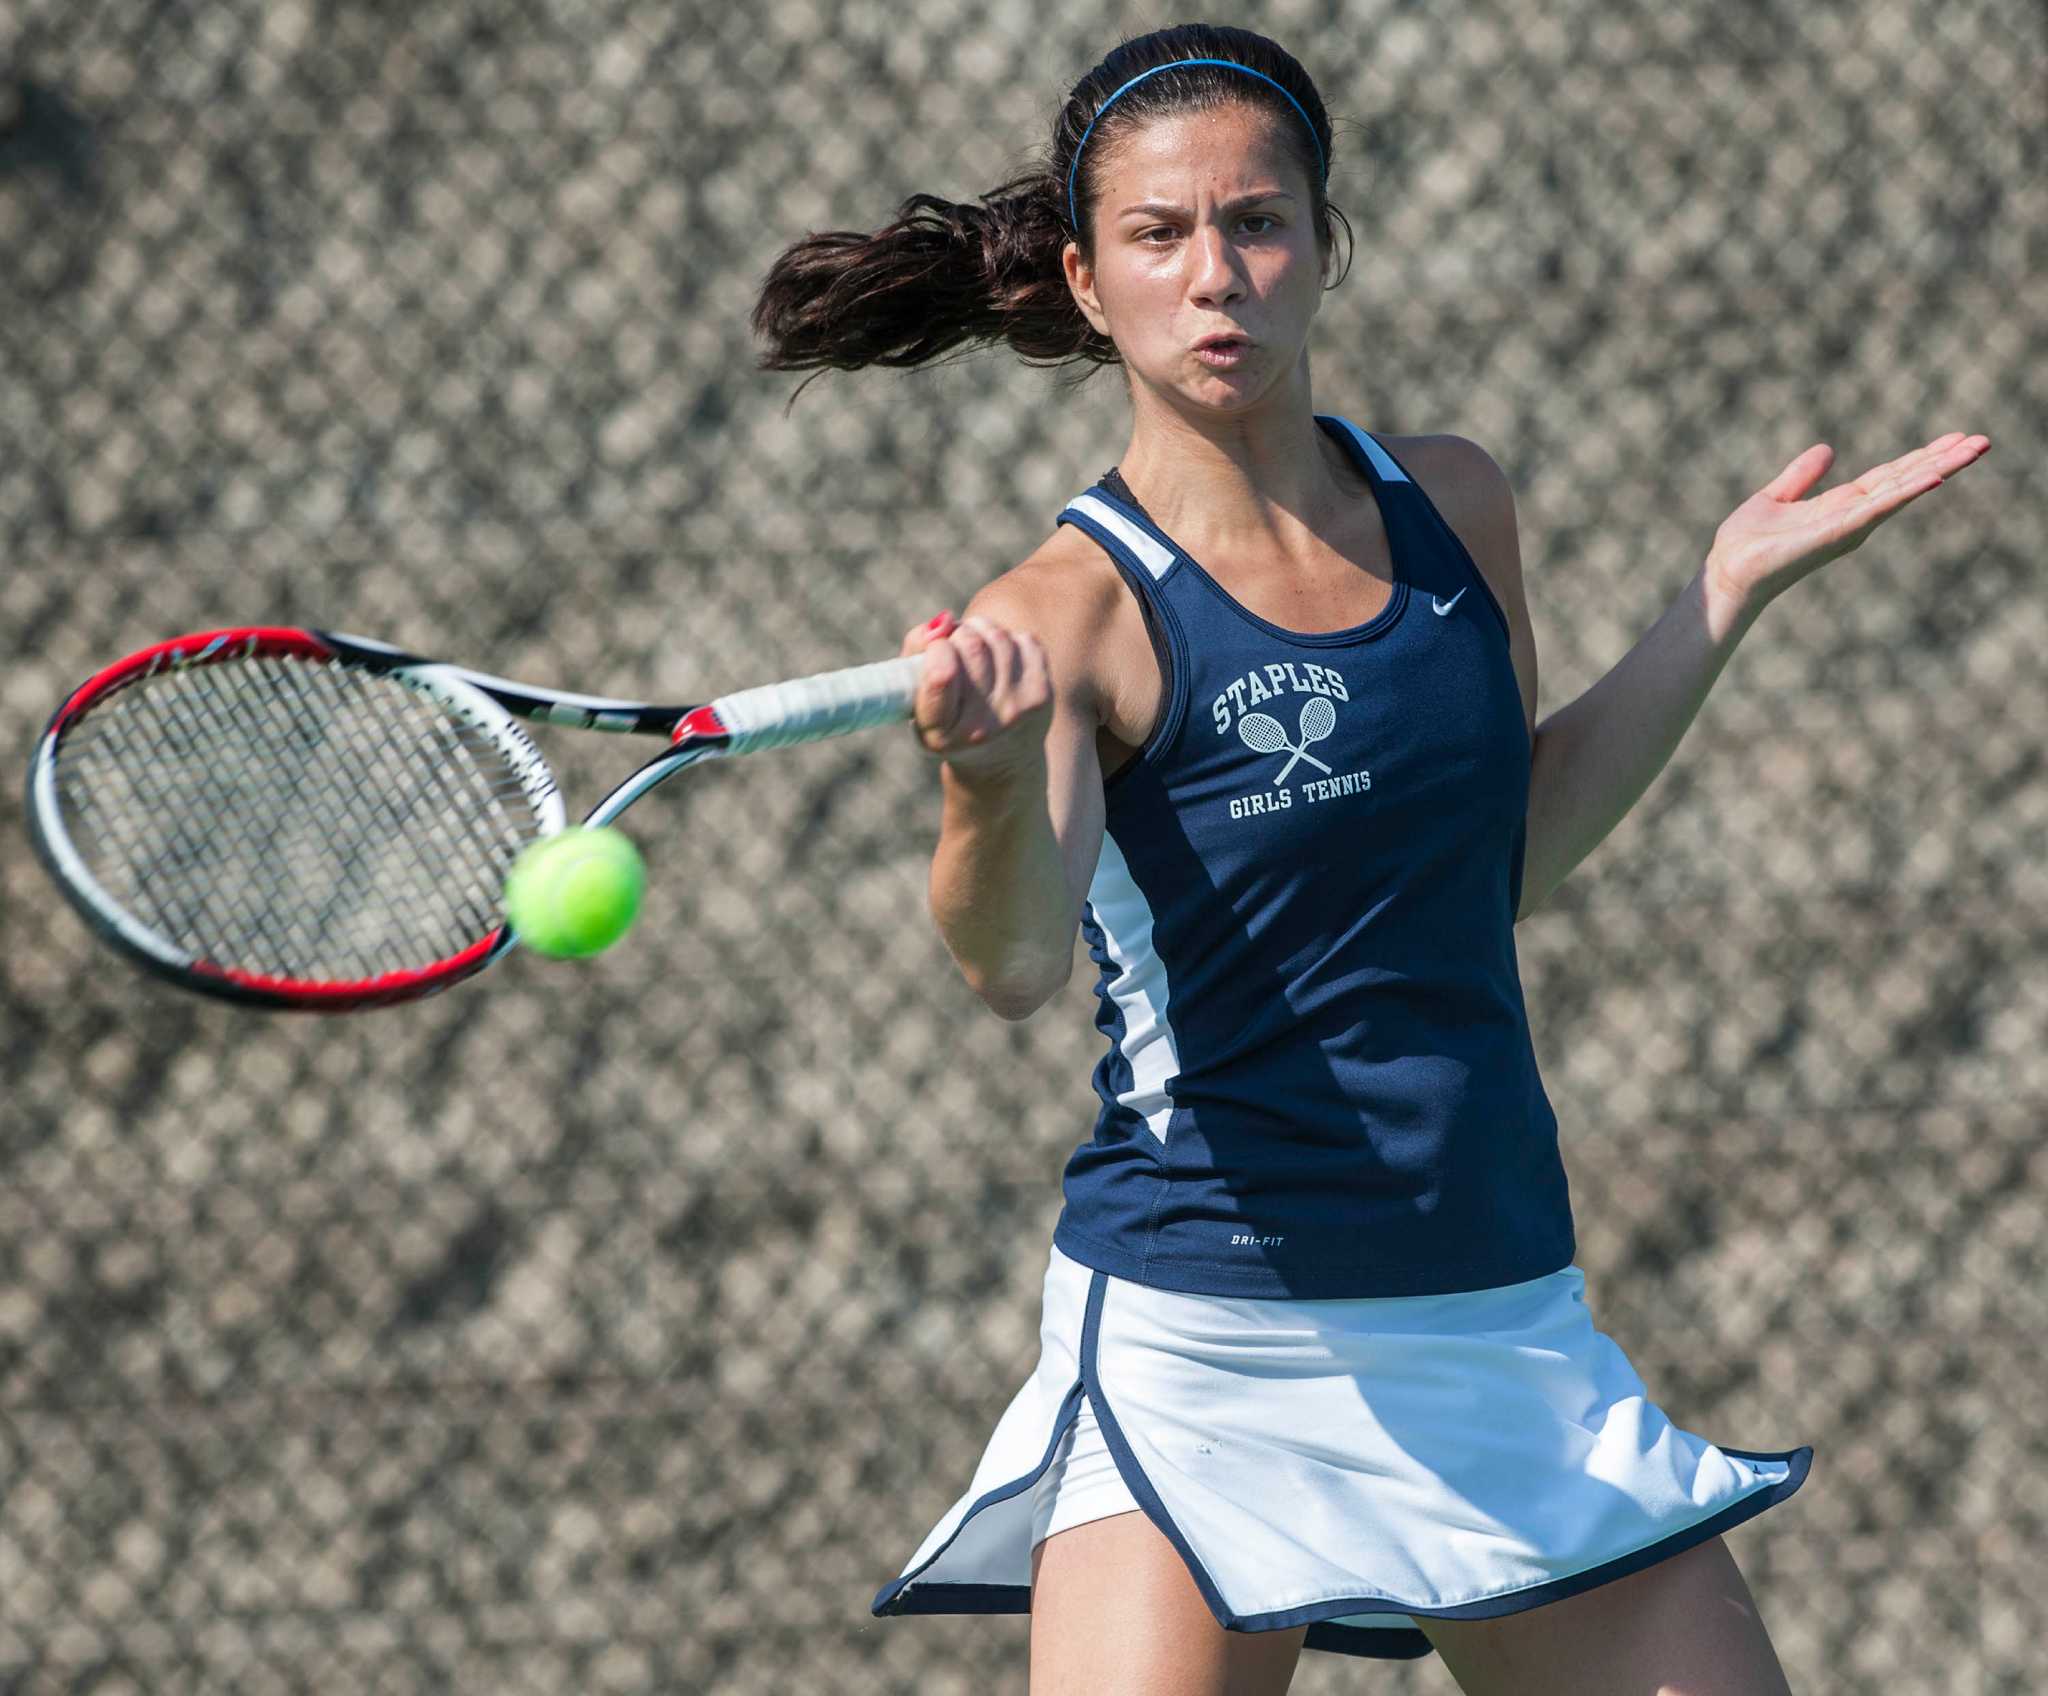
(297, 819)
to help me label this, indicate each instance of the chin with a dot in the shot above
(1216, 393)
(1239, 392)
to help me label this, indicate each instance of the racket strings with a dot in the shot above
(294, 818)
(166, 786)
(381, 813)
(337, 898)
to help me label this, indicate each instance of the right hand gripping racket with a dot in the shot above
(297, 819)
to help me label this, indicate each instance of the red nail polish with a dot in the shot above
(939, 623)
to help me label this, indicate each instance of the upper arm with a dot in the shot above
(1478, 502)
(1062, 604)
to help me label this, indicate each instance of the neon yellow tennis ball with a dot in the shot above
(576, 892)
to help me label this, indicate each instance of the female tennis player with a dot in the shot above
(1258, 719)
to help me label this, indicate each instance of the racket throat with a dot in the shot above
(700, 724)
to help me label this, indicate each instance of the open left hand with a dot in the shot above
(1775, 538)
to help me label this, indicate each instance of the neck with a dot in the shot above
(1211, 478)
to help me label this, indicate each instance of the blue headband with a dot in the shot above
(1322, 165)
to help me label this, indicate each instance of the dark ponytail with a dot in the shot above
(951, 275)
(944, 275)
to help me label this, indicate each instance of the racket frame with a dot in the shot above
(780, 714)
(450, 688)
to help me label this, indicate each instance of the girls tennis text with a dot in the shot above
(1317, 789)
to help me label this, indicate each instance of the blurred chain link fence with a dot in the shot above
(624, 1326)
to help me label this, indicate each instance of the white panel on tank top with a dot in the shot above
(1139, 989)
(1151, 554)
(1388, 470)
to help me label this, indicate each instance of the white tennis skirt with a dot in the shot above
(1350, 1465)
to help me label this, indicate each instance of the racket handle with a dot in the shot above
(809, 709)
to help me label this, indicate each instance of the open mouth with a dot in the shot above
(1222, 350)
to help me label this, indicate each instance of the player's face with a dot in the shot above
(1203, 228)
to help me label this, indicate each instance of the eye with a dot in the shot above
(1167, 230)
(1265, 218)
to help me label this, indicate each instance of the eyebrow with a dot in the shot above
(1166, 208)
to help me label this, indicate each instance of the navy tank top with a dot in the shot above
(1319, 1080)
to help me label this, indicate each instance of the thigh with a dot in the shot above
(1115, 1612)
(1687, 1626)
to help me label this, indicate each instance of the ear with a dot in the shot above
(1081, 282)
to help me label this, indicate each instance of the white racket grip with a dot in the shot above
(809, 709)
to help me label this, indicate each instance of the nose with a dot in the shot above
(1214, 275)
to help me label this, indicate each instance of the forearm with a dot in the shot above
(999, 889)
(1593, 759)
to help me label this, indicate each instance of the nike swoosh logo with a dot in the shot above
(1442, 607)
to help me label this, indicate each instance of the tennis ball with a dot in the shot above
(574, 893)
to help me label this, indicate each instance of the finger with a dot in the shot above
(1944, 453)
(1805, 470)
(1904, 479)
(1964, 450)
(1002, 651)
(921, 636)
(1884, 491)
(1035, 673)
(937, 705)
(995, 635)
(1918, 456)
(977, 661)
(1940, 458)
(1947, 455)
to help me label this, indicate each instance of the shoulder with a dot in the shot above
(1477, 501)
(1069, 595)
(1064, 587)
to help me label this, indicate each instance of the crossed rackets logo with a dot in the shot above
(1264, 734)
